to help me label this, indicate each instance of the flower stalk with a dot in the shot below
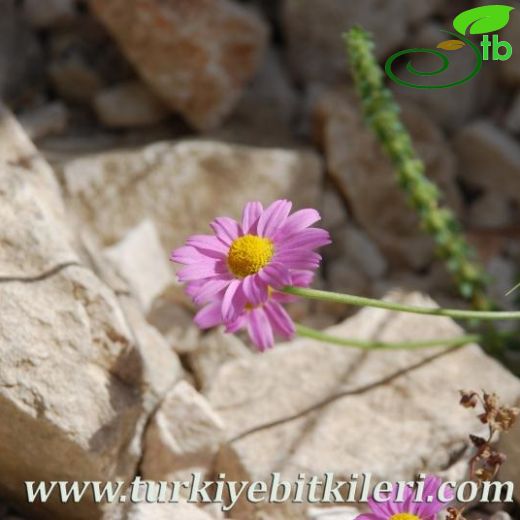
(382, 114)
(458, 341)
(515, 288)
(360, 301)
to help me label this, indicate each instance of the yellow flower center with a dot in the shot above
(404, 516)
(248, 254)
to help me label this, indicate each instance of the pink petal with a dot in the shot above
(236, 325)
(255, 290)
(200, 270)
(273, 218)
(302, 278)
(299, 220)
(250, 216)
(381, 510)
(431, 488)
(276, 275)
(283, 298)
(260, 330)
(234, 301)
(280, 320)
(391, 506)
(209, 289)
(192, 288)
(186, 255)
(209, 245)
(209, 316)
(298, 259)
(310, 238)
(226, 229)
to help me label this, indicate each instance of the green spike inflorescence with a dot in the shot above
(382, 114)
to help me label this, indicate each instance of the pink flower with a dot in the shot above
(410, 509)
(244, 260)
(262, 321)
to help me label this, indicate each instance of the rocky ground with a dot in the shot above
(129, 125)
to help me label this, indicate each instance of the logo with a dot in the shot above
(477, 21)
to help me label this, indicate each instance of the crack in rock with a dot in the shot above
(40, 277)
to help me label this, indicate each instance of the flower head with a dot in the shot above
(237, 266)
(410, 508)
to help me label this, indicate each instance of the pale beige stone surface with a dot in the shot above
(183, 437)
(78, 376)
(128, 105)
(45, 120)
(214, 350)
(179, 511)
(183, 186)
(141, 260)
(314, 408)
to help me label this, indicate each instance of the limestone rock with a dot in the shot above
(344, 277)
(142, 261)
(180, 511)
(75, 390)
(333, 513)
(159, 365)
(215, 511)
(74, 78)
(510, 69)
(314, 408)
(332, 209)
(489, 159)
(353, 261)
(356, 161)
(513, 117)
(265, 114)
(49, 13)
(360, 252)
(74, 348)
(129, 104)
(182, 187)
(45, 120)
(197, 56)
(500, 515)
(182, 438)
(83, 59)
(214, 350)
(20, 56)
(314, 29)
(31, 209)
(510, 445)
(175, 322)
(491, 210)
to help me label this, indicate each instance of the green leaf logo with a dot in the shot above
(482, 20)
(451, 45)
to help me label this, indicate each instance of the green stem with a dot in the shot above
(359, 301)
(380, 345)
(515, 288)
(382, 114)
